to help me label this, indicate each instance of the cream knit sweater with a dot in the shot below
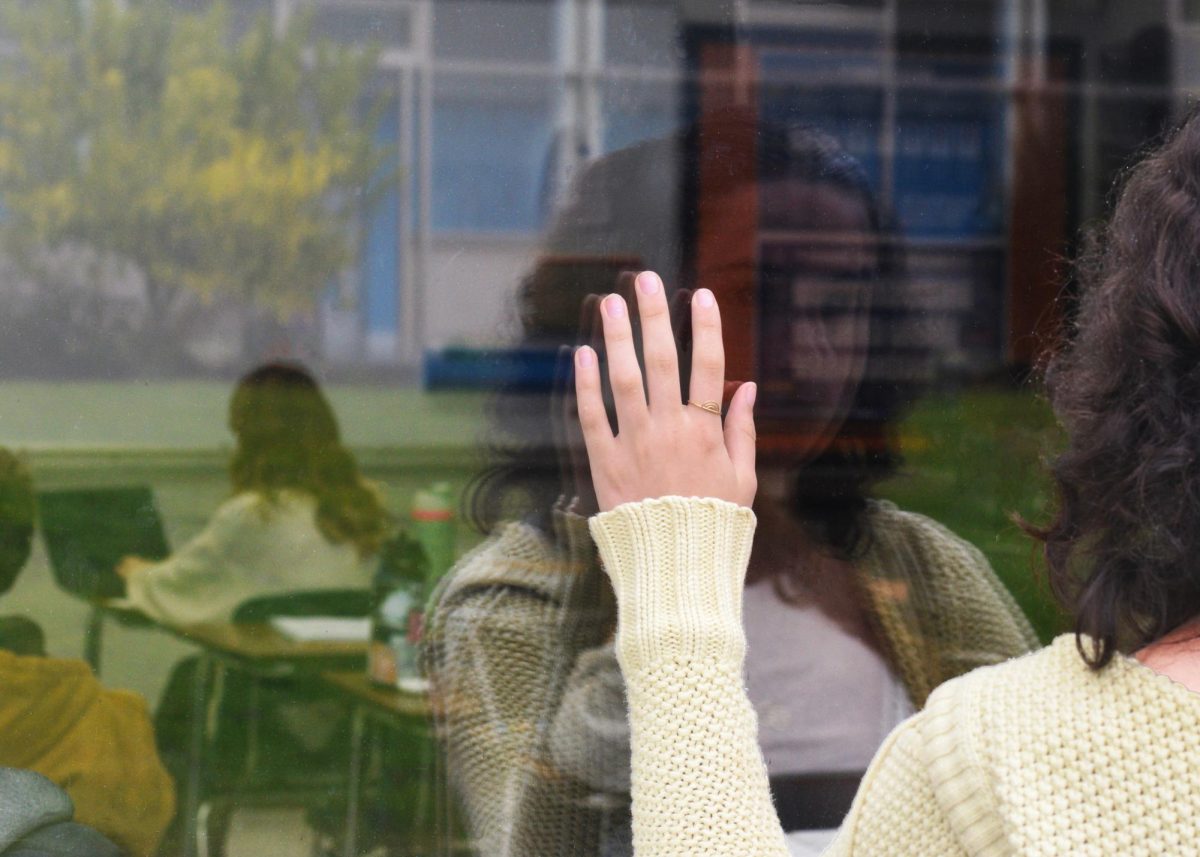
(1037, 756)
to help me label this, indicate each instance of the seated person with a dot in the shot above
(301, 516)
(57, 720)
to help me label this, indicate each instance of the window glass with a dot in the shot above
(482, 30)
(494, 150)
(291, 293)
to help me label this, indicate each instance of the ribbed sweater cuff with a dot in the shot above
(678, 566)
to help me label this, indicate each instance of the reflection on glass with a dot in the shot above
(854, 606)
(422, 202)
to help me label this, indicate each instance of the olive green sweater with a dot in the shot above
(1038, 756)
(534, 719)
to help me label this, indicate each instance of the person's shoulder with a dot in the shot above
(241, 505)
(255, 508)
(1048, 743)
(905, 543)
(888, 523)
(35, 668)
(1051, 669)
(1044, 695)
(42, 694)
(516, 554)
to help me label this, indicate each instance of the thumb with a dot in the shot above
(739, 432)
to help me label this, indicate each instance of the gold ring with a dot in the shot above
(711, 407)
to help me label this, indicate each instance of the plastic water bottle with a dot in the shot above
(393, 655)
(433, 525)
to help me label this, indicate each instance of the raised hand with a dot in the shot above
(663, 446)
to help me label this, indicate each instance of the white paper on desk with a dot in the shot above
(308, 628)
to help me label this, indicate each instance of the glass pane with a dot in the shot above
(493, 149)
(376, 23)
(494, 30)
(287, 367)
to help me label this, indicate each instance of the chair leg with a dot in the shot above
(202, 815)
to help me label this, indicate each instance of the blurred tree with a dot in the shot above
(214, 166)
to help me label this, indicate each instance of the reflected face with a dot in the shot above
(809, 291)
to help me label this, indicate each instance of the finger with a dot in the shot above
(624, 374)
(658, 343)
(626, 289)
(708, 352)
(594, 330)
(740, 434)
(597, 435)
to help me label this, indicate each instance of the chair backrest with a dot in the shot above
(88, 530)
(347, 603)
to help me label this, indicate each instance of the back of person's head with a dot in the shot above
(16, 517)
(288, 438)
(1122, 551)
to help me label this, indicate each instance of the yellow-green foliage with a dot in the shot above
(149, 135)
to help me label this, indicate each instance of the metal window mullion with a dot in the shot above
(423, 168)
(569, 92)
(593, 51)
(409, 293)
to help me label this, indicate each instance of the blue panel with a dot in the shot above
(489, 165)
(624, 128)
(949, 165)
(380, 264)
(525, 369)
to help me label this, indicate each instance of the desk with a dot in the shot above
(254, 648)
(262, 651)
(392, 709)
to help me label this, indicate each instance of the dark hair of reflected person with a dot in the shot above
(288, 438)
(16, 517)
(1121, 551)
(830, 492)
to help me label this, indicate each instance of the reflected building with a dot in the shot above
(991, 133)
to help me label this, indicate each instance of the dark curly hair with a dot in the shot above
(287, 437)
(1122, 550)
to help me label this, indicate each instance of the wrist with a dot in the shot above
(678, 566)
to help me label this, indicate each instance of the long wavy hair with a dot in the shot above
(288, 438)
(1121, 551)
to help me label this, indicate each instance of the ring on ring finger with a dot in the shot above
(711, 407)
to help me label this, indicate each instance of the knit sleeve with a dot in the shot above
(896, 812)
(699, 785)
(205, 579)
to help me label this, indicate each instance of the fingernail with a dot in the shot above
(614, 306)
(751, 394)
(585, 356)
(648, 283)
(704, 298)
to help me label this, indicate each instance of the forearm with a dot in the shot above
(699, 785)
